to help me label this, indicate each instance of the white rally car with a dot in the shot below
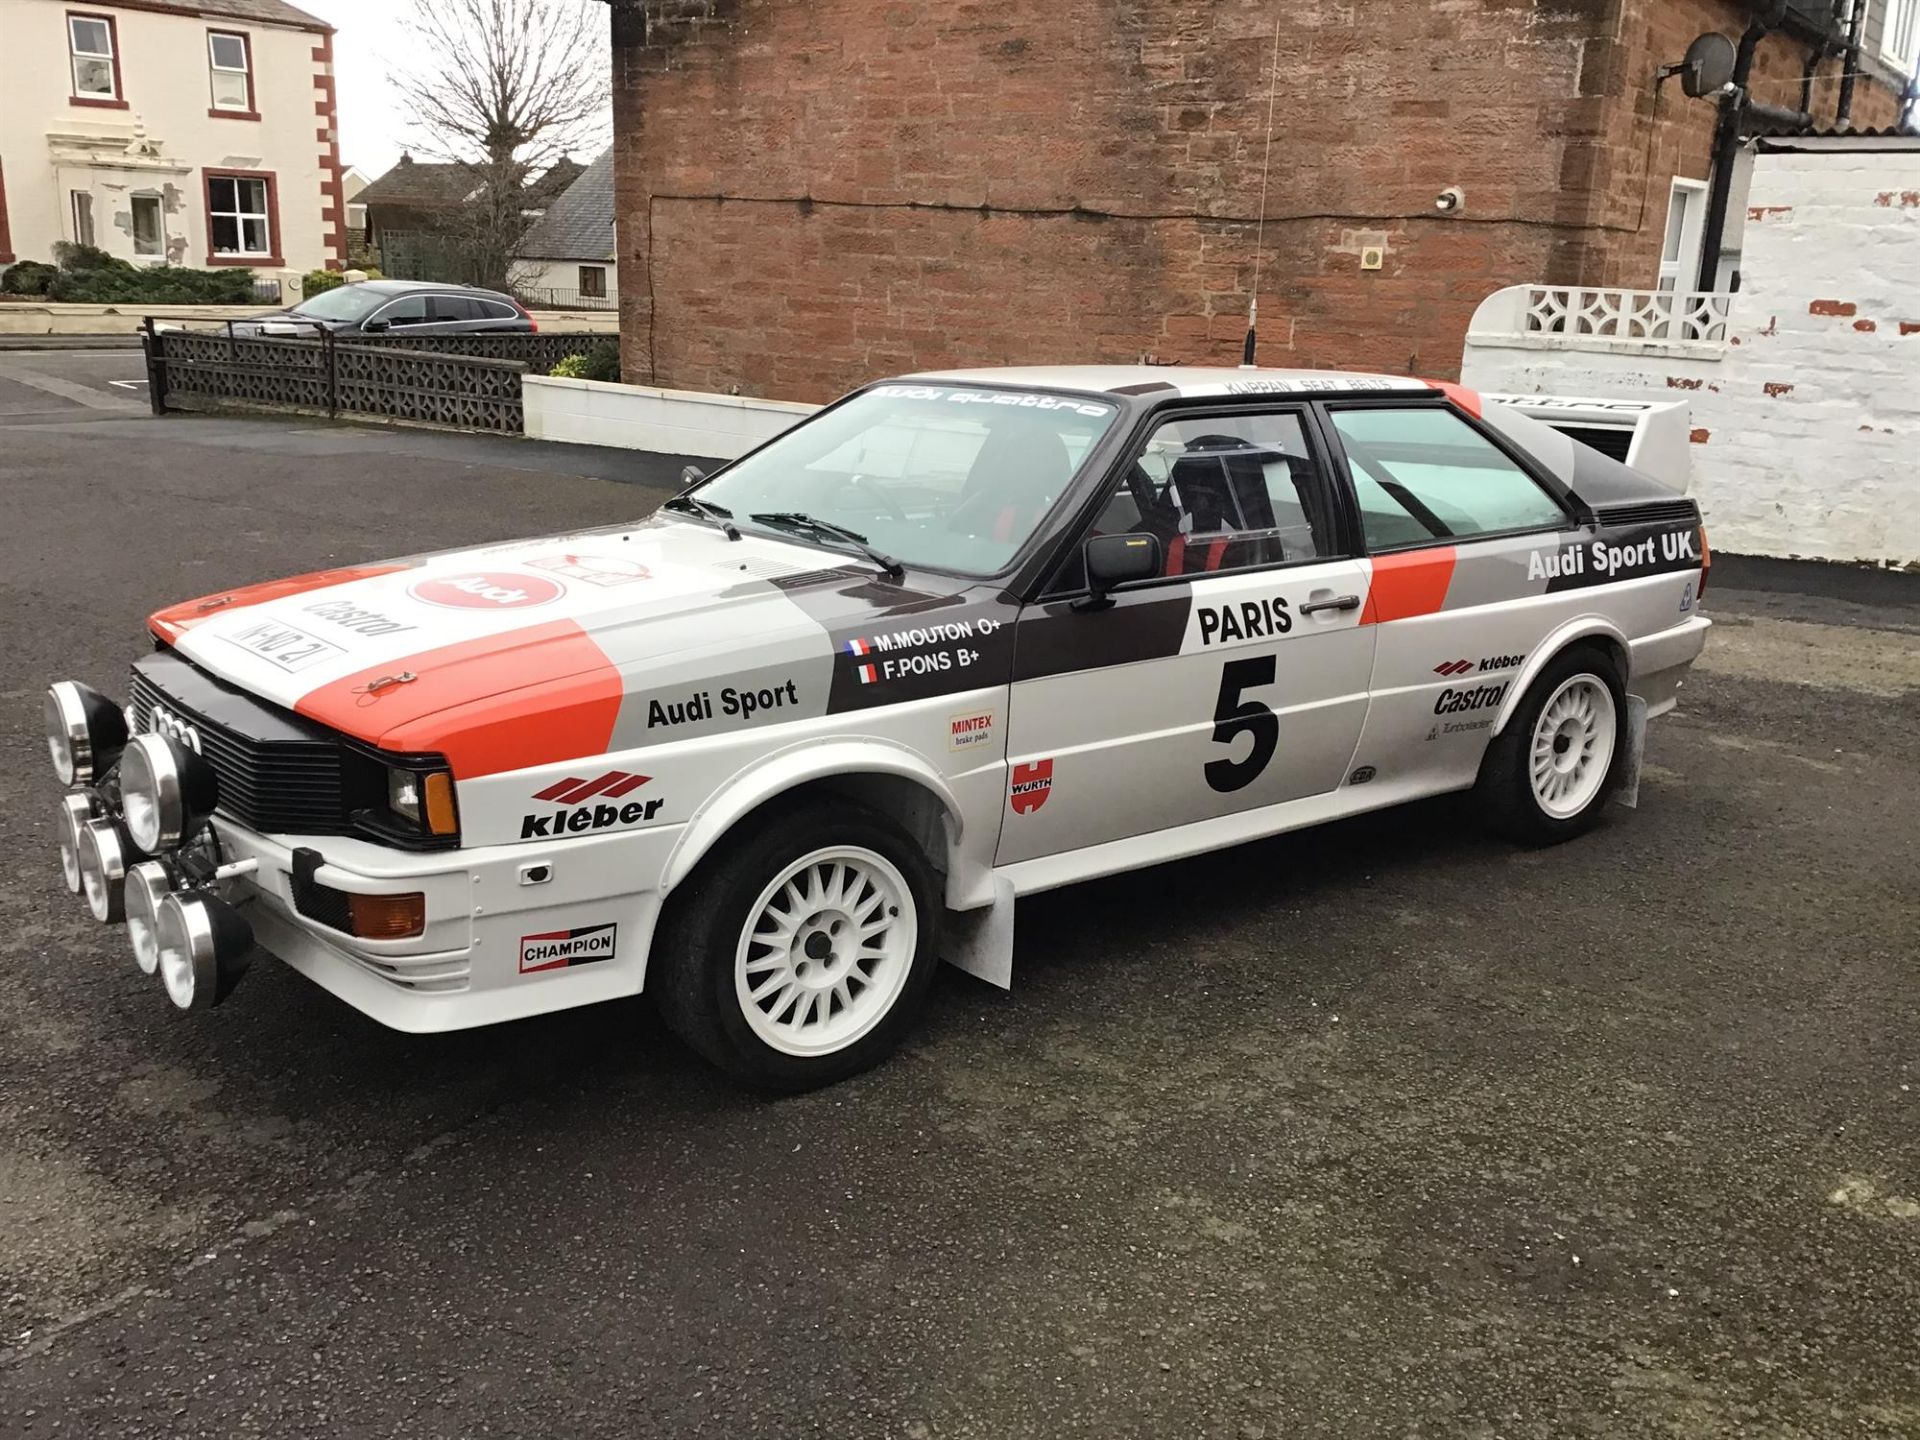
(772, 751)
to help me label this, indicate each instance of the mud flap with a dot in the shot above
(980, 942)
(1629, 792)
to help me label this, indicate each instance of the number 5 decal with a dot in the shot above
(1234, 716)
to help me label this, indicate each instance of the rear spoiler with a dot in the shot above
(1653, 436)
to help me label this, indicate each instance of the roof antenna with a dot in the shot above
(1260, 234)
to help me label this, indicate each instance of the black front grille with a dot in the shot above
(1650, 512)
(276, 774)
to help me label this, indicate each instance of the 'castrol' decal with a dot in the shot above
(487, 590)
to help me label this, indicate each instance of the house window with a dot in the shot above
(1900, 39)
(238, 215)
(82, 216)
(93, 56)
(230, 61)
(149, 227)
(1686, 222)
(593, 282)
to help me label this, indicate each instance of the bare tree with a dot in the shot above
(505, 88)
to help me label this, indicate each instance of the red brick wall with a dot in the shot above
(813, 192)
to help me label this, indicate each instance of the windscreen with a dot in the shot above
(343, 302)
(946, 476)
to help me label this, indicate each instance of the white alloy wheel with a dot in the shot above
(1572, 748)
(826, 950)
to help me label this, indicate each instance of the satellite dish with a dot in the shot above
(1708, 68)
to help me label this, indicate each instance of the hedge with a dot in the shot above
(89, 275)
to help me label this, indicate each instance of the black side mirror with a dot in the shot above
(1116, 560)
(692, 475)
(375, 327)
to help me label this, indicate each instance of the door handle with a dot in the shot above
(1344, 602)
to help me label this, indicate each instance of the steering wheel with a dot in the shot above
(887, 505)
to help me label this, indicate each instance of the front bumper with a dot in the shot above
(470, 965)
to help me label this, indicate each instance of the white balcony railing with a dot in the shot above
(1579, 318)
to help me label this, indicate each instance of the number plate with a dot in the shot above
(283, 645)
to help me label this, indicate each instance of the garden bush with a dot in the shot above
(602, 362)
(318, 282)
(28, 277)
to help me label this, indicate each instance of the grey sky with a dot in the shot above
(371, 42)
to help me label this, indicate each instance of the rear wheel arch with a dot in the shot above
(1592, 630)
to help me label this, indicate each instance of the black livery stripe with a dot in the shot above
(1059, 639)
(1618, 554)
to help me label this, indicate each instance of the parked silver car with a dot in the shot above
(415, 307)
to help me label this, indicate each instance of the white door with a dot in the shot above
(1686, 233)
(1236, 680)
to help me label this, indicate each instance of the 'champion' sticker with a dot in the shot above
(560, 949)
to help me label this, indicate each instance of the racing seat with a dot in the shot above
(1222, 492)
(1012, 482)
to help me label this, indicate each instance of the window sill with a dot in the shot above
(233, 114)
(96, 102)
(254, 260)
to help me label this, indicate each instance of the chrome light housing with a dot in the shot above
(167, 791)
(204, 947)
(103, 852)
(85, 732)
(147, 890)
(76, 810)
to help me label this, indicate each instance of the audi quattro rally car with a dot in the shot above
(822, 718)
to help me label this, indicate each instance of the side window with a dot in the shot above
(1425, 476)
(1222, 492)
(454, 307)
(409, 310)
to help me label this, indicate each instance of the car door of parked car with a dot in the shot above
(1235, 679)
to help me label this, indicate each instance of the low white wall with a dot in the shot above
(668, 422)
(1806, 424)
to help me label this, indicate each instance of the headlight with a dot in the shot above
(85, 732)
(76, 810)
(167, 791)
(147, 890)
(204, 947)
(103, 869)
(423, 800)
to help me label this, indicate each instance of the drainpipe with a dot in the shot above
(1726, 152)
(1855, 29)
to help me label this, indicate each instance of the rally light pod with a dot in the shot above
(205, 946)
(168, 792)
(148, 887)
(85, 732)
(76, 809)
(103, 853)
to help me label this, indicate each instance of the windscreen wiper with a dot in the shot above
(718, 514)
(797, 520)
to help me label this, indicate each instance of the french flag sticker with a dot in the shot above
(868, 674)
(859, 647)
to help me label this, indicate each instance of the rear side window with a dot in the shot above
(1426, 477)
(494, 310)
(454, 307)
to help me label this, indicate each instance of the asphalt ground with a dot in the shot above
(1381, 1128)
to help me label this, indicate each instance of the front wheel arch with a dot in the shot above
(884, 777)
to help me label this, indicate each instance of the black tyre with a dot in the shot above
(1546, 777)
(799, 953)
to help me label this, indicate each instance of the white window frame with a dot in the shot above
(1900, 35)
(160, 229)
(244, 71)
(75, 55)
(80, 212)
(240, 216)
(1680, 272)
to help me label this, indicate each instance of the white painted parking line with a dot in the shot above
(129, 384)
